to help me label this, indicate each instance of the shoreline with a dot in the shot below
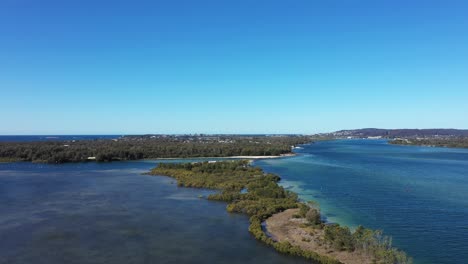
(9, 160)
(432, 143)
(231, 157)
(154, 147)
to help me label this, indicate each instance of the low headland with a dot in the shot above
(450, 138)
(292, 226)
(459, 142)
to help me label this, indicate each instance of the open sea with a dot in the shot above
(111, 213)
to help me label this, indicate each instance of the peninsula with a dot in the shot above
(292, 227)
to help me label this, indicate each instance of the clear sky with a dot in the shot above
(130, 67)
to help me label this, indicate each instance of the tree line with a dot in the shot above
(134, 148)
(456, 142)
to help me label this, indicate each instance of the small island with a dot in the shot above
(278, 218)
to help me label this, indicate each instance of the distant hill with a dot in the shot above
(402, 133)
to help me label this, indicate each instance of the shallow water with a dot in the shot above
(110, 213)
(418, 195)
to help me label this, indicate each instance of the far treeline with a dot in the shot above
(250, 191)
(460, 142)
(403, 133)
(149, 147)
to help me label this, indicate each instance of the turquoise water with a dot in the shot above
(110, 213)
(418, 195)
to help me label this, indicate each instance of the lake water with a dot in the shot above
(418, 195)
(110, 213)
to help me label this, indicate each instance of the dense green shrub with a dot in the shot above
(313, 216)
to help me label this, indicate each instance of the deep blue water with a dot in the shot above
(110, 213)
(418, 195)
(54, 137)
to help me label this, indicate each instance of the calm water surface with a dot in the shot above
(110, 213)
(418, 195)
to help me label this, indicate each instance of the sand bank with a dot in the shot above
(284, 227)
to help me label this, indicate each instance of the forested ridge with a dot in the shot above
(148, 147)
(250, 191)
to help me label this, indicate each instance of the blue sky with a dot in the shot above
(130, 67)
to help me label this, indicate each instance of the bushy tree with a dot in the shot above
(313, 216)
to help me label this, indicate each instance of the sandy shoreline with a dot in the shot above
(284, 227)
(232, 157)
(226, 157)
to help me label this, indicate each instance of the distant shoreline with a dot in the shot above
(232, 157)
(153, 147)
(461, 143)
(10, 160)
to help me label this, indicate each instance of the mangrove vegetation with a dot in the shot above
(250, 191)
